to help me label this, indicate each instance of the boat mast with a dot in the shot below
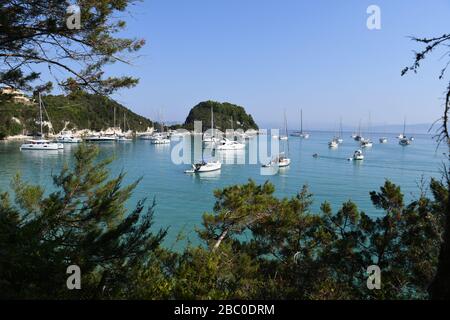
(40, 114)
(340, 128)
(404, 126)
(301, 121)
(212, 121)
(114, 118)
(286, 132)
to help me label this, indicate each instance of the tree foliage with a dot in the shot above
(254, 245)
(35, 33)
(84, 223)
(75, 111)
(226, 116)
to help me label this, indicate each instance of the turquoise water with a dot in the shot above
(182, 198)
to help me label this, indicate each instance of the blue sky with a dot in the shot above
(269, 55)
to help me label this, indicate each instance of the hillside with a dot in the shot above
(81, 111)
(223, 113)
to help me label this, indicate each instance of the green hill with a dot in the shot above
(223, 113)
(80, 111)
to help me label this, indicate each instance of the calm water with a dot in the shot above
(182, 198)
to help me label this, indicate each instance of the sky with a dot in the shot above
(273, 56)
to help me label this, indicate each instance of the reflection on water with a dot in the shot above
(208, 176)
(231, 156)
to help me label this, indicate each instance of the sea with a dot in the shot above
(182, 199)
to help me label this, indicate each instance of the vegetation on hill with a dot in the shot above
(289, 251)
(75, 111)
(223, 114)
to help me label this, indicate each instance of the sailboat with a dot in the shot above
(300, 133)
(366, 143)
(282, 159)
(358, 136)
(340, 138)
(41, 144)
(122, 136)
(383, 139)
(404, 141)
(160, 137)
(210, 141)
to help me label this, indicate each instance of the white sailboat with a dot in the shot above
(210, 140)
(404, 141)
(340, 138)
(366, 142)
(301, 134)
(160, 137)
(282, 159)
(122, 137)
(41, 144)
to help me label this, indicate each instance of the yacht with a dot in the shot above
(227, 144)
(358, 136)
(210, 140)
(68, 137)
(123, 138)
(366, 143)
(357, 155)
(101, 138)
(404, 141)
(280, 161)
(301, 134)
(340, 138)
(333, 143)
(161, 140)
(41, 144)
(204, 166)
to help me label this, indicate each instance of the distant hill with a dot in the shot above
(223, 113)
(80, 111)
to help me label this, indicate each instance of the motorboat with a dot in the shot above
(280, 161)
(404, 141)
(204, 166)
(383, 140)
(161, 140)
(366, 143)
(124, 139)
(333, 143)
(68, 137)
(101, 138)
(227, 144)
(357, 155)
